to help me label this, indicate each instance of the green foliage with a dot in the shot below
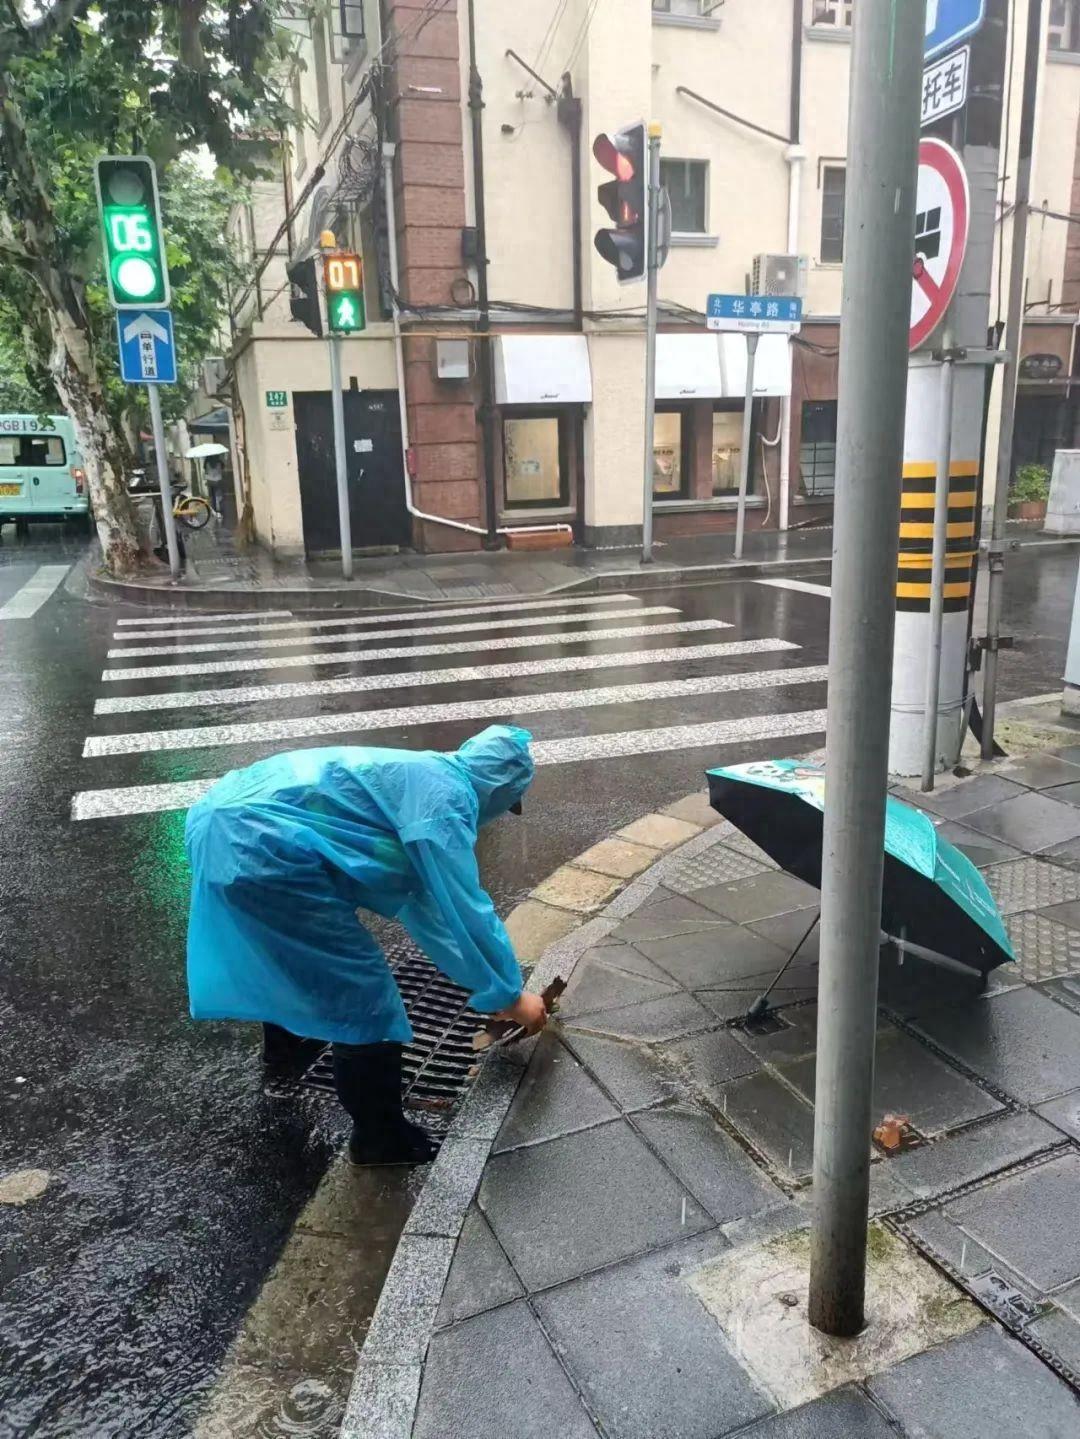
(1030, 482)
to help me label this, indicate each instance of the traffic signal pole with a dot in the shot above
(168, 520)
(883, 133)
(337, 401)
(652, 269)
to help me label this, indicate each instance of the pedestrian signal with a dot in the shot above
(344, 277)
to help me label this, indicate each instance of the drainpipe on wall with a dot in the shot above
(487, 370)
(568, 110)
(388, 150)
(795, 156)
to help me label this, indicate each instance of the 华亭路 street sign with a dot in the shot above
(941, 230)
(754, 314)
(950, 21)
(945, 85)
(147, 348)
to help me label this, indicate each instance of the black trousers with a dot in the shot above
(367, 1077)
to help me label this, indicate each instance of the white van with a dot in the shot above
(41, 470)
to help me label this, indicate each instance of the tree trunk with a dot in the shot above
(105, 453)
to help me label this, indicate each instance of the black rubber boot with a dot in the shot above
(286, 1055)
(367, 1078)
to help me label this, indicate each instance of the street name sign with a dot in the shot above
(945, 85)
(147, 348)
(942, 210)
(754, 314)
(950, 21)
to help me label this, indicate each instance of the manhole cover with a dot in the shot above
(1004, 1299)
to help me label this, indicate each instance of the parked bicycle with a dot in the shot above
(192, 511)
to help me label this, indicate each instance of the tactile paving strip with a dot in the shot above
(1044, 949)
(739, 842)
(716, 865)
(1030, 884)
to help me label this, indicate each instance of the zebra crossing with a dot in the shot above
(545, 663)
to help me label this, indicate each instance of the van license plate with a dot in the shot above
(10, 489)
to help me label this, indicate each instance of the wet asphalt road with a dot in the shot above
(173, 1181)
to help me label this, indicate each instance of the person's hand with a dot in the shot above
(529, 1011)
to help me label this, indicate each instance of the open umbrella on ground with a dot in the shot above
(934, 901)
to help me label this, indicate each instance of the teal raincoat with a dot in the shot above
(283, 853)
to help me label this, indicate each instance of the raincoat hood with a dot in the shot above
(499, 767)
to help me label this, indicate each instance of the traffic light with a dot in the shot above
(344, 276)
(304, 304)
(135, 267)
(626, 199)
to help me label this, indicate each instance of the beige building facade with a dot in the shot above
(522, 422)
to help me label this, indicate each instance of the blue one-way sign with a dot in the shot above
(147, 349)
(950, 21)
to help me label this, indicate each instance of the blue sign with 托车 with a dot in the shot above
(950, 21)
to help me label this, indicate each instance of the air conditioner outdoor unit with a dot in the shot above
(779, 275)
(213, 374)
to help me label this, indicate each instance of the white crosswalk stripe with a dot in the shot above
(402, 652)
(675, 663)
(150, 798)
(420, 679)
(28, 599)
(264, 731)
(350, 636)
(422, 616)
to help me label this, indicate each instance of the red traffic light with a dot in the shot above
(612, 158)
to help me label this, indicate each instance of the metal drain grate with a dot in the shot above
(435, 1067)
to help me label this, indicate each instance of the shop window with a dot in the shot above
(727, 451)
(833, 186)
(1063, 26)
(685, 181)
(817, 452)
(836, 14)
(535, 462)
(671, 470)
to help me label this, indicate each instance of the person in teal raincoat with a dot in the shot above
(283, 853)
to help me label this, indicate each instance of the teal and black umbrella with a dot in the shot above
(932, 897)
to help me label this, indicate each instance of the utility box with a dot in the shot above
(452, 359)
(1063, 506)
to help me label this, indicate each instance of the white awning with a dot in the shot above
(688, 368)
(772, 365)
(542, 370)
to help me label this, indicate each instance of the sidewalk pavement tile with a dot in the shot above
(979, 848)
(1030, 1219)
(776, 1121)
(617, 857)
(1069, 1300)
(557, 1096)
(653, 1021)
(629, 1072)
(797, 1037)
(557, 1213)
(789, 930)
(1044, 949)
(597, 985)
(733, 1001)
(1067, 854)
(1031, 822)
(1040, 771)
(694, 809)
(627, 958)
(713, 957)
(742, 844)
(449, 1187)
(532, 926)
(710, 1060)
(949, 1242)
(674, 914)
(659, 831)
(1070, 792)
(650, 1361)
(494, 1376)
(984, 1383)
(759, 896)
(1064, 1113)
(843, 1414)
(1061, 1335)
(718, 864)
(1067, 913)
(719, 1174)
(480, 1275)
(580, 890)
(1021, 1041)
(1004, 1140)
(965, 798)
(1030, 884)
(909, 1079)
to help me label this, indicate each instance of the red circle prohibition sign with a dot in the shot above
(938, 284)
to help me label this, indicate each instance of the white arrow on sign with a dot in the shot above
(146, 325)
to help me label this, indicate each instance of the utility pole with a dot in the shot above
(883, 133)
(1013, 326)
(168, 520)
(328, 244)
(747, 431)
(652, 268)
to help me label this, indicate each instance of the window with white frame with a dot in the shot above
(686, 182)
(833, 190)
(695, 9)
(1063, 25)
(833, 13)
(350, 24)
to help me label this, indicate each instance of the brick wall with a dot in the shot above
(430, 203)
(1070, 282)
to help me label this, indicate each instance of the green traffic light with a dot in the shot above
(131, 227)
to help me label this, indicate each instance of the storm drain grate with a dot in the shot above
(435, 1066)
